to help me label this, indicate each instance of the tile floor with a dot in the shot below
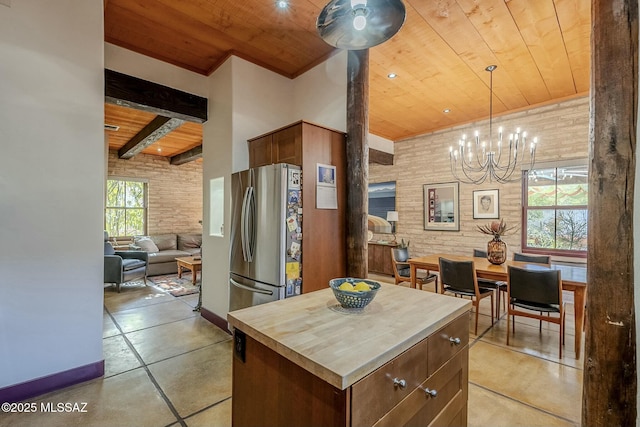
(167, 366)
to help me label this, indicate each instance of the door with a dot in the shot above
(258, 238)
(247, 293)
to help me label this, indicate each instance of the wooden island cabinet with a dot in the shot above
(306, 361)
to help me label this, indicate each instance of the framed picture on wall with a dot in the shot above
(441, 210)
(486, 204)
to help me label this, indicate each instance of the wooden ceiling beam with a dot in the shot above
(188, 156)
(380, 157)
(159, 127)
(132, 92)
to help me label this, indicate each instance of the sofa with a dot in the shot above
(163, 249)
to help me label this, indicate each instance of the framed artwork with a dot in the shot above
(382, 198)
(326, 175)
(441, 211)
(486, 204)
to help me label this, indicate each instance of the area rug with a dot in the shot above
(178, 287)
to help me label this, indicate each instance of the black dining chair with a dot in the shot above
(538, 259)
(459, 278)
(499, 285)
(534, 292)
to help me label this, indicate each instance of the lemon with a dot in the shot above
(362, 286)
(346, 286)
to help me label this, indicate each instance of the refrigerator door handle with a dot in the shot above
(251, 218)
(244, 231)
(248, 288)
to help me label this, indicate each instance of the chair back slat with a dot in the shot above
(538, 286)
(479, 253)
(457, 274)
(537, 259)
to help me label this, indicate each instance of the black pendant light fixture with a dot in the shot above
(360, 24)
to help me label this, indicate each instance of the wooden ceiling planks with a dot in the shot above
(540, 30)
(574, 18)
(541, 48)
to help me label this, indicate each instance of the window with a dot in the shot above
(555, 210)
(126, 208)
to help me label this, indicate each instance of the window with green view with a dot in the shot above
(555, 210)
(126, 208)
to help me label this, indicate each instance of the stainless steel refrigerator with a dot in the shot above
(266, 235)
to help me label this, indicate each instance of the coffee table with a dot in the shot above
(194, 264)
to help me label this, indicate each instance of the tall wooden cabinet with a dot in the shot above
(324, 252)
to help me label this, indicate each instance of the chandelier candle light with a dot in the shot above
(487, 162)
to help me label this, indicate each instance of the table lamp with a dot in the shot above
(392, 217)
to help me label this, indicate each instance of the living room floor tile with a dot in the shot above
(196, 380)
(171, 339)
(217, 416)
(548, 386)
(128, 399)
(109, 329)
(133, 297)
(489, 409)
(152, 315)
(118, 357)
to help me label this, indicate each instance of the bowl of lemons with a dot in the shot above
(354, 293)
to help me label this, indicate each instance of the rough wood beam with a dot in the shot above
(610, 381)
(357, 161)
(132, 92)
(188, 156)
(380, 157)
(156, 129)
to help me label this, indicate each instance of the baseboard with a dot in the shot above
(29, 389)
(215, 319)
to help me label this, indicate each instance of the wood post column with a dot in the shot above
(357, 161)
(610, 385)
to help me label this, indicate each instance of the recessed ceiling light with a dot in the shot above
(392, 75)
(446, 110)
(282, 4)
(159, 149)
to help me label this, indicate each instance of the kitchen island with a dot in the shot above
(305, 361)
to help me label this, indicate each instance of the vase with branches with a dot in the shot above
(496, 248)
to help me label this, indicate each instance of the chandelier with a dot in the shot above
(475, 161)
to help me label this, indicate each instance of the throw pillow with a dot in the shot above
(147, 245)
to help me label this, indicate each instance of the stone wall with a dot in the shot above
(562, 130)
(175, 192)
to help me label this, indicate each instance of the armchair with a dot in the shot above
(123, 266)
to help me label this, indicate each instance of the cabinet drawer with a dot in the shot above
(442, 344)
(374, 395)
(450, 383)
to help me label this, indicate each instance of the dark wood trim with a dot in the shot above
(159, 127)
(132, 92)
(380, 157)
(188, 156)
(609, 396)
(357, 161)
(220, 322)
(29, 389)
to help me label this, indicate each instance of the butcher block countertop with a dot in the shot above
(339, 345)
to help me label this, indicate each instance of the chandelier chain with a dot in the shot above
(488, 159)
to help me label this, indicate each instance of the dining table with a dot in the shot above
(574, 279)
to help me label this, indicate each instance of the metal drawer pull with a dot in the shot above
(431, 393)
(399, 383)
(455, 341)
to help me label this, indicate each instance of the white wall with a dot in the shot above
(146, 68)
(258, 102)
(320, 94)
(51, 180)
